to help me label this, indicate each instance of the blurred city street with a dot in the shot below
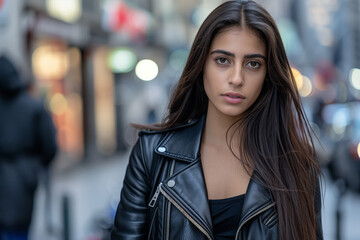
(96, 66)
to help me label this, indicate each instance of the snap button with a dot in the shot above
(161, 149)
(171, 183)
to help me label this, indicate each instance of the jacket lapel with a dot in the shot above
(187, 187)
(257, 197)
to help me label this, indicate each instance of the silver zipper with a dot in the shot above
(192, 220)
(252, 216)
(154, 198)
(156, 194)
(169, 204)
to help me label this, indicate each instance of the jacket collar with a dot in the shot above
(183, 143)
(188, 190)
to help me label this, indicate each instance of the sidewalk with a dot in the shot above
(92, 190)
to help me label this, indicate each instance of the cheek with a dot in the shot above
(207, 85)
(257, 87)
(207, 81)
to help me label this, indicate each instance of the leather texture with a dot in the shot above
(165, 172)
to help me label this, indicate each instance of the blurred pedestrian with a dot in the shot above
(27, 146)
(233, 158)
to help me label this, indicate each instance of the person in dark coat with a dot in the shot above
(27, 146)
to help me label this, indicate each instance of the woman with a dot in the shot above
(233, 158)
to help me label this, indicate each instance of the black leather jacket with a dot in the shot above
(164, 194)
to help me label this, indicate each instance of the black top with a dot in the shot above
(226, 215)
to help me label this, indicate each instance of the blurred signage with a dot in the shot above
(119, 17)
(73, 33)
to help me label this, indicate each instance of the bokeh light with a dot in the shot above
(122, 60)
(298, 78)
(50, 62)
(58, 104)
(146, 70)
(341, 120)
(306, 87)
(355, 78)
(66, 10)
(303, 83)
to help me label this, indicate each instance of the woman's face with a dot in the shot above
(234, 71)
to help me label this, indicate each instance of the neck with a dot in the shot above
(215, 130)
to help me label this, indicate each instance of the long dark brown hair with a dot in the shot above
(276, 144)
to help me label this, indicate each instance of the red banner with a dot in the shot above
(132, 21)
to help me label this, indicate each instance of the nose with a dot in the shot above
(236, 77)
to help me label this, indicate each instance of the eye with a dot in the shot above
(253, 64)
(222, 60)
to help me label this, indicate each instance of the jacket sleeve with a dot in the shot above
(131, 216)
(318, 203)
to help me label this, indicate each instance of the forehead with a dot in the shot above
(239, 39)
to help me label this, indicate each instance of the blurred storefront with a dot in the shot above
(58, 37)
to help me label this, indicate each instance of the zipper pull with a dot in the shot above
(154, 198)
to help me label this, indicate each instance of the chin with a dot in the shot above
(232, 114)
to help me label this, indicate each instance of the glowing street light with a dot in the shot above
(146, 70)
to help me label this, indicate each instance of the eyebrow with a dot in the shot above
(230, 54)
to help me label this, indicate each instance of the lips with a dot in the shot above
(232, 97)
